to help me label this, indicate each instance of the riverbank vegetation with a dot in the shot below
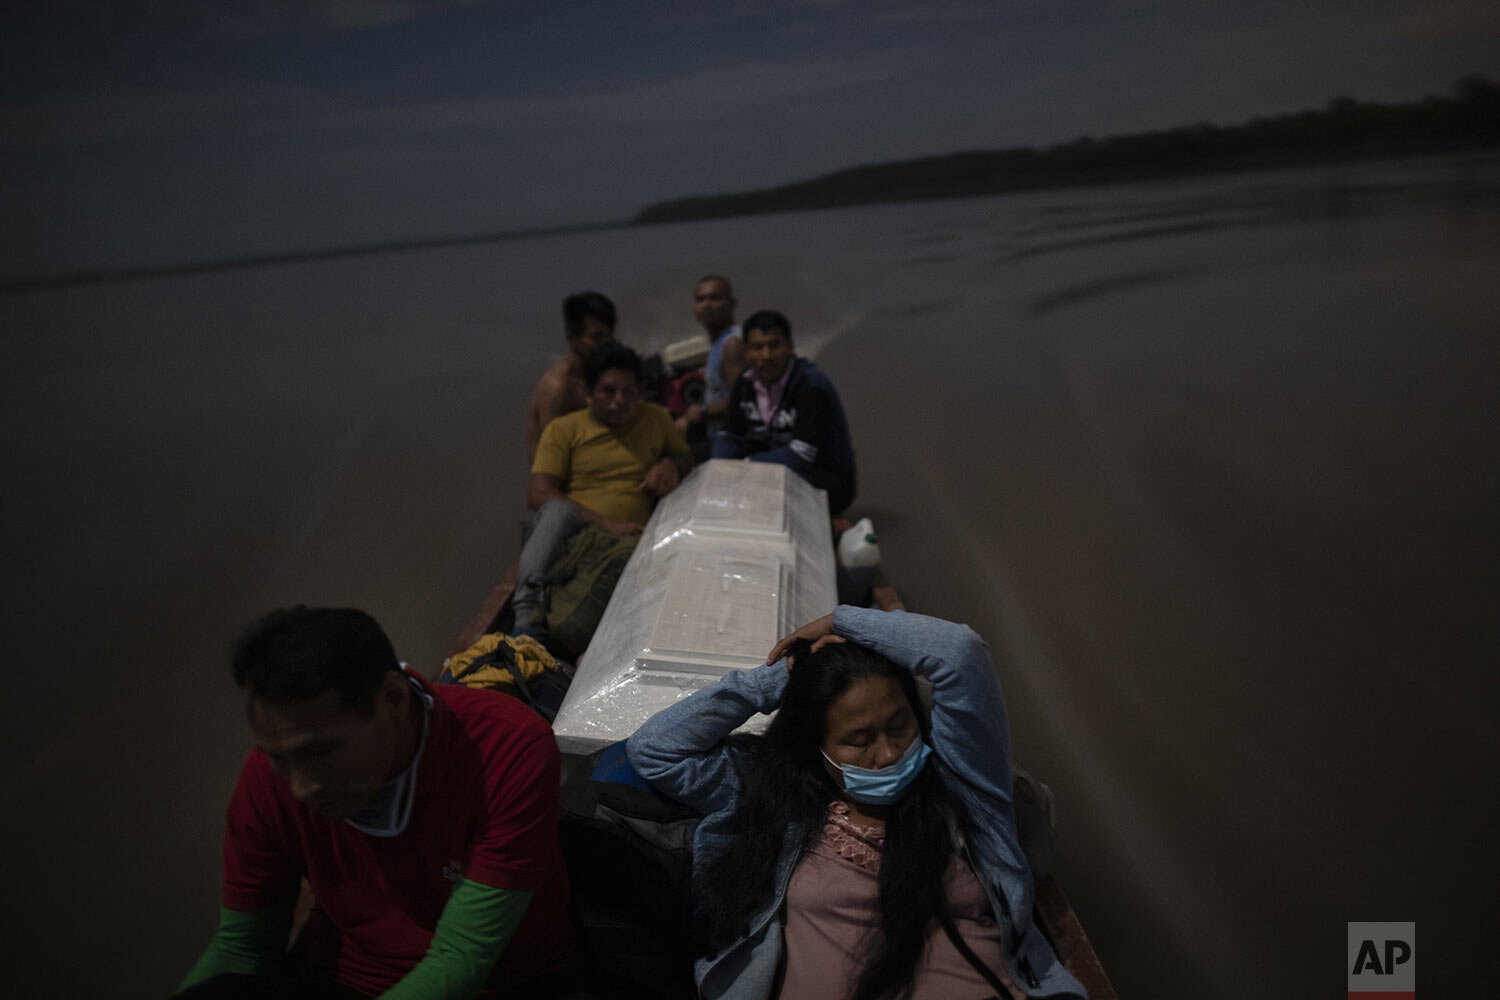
(1346, 129)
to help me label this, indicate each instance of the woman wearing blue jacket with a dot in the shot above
(859, 848)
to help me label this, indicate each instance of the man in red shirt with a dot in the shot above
(424, 818)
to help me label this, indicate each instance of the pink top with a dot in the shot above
(768, 397)
(832, 904)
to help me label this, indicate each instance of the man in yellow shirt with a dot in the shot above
(607, 464)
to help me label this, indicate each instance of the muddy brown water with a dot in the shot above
(1210, 464)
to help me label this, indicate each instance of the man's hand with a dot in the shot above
(692, 415)
(660, 480)
(820, 633)
(542, 487)
(619, 529)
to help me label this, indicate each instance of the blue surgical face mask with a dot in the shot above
(388, 813)
(885, 785)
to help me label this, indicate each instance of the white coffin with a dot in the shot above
(733, 559)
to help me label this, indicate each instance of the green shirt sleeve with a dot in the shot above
(244, 942)
(470, 937)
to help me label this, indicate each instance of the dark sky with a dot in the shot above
(148, 132)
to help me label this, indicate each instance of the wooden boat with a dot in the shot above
(1053, 913)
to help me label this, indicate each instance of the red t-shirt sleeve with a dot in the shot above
(261, 866)
(516, 847)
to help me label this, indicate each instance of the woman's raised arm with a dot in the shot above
(970, 728)
(681, 750)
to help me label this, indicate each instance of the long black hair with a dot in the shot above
(785, 783)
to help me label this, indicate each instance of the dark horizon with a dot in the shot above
(101, 276)
(1343, 130)
(156, 135)
(944, 175)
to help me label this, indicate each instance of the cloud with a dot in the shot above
(224, 18)
(1447, 18)
(965, 11)
(703, 95)
(794, 16)
(712, 93)
(268, 17)
(370, 13)
(113, 115)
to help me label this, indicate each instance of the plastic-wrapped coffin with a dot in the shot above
(734, 558)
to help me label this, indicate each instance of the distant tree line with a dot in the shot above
(1347, 129)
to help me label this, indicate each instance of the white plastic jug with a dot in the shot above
(858, 547)
(858, 556)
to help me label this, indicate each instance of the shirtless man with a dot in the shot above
(589, 319)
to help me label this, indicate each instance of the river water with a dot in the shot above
(1211, 464)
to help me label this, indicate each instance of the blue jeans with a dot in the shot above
(549, 529)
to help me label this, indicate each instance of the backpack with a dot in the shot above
(516, 665)
(579, 585)
(629, 851)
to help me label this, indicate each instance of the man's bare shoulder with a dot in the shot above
(548, 400)
(552, 382)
